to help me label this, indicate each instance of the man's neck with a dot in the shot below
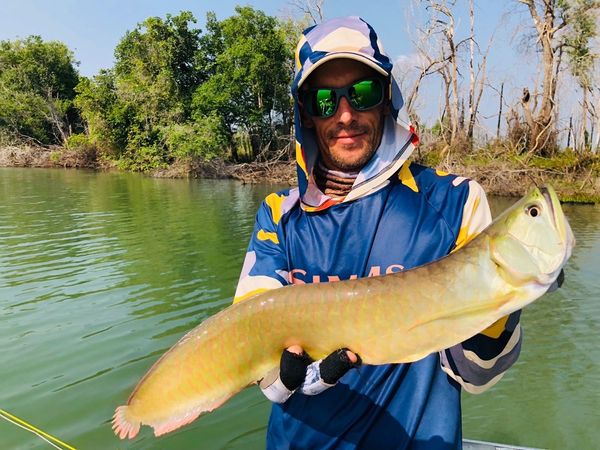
(334, 183)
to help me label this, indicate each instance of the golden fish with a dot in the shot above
(396, 318)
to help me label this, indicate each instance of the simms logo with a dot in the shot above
(300, 276)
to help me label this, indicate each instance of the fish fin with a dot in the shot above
(123, 426)
(172, 424)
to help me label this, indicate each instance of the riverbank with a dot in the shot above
(576, 178)
(51, 157)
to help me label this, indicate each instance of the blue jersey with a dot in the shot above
(417, 217)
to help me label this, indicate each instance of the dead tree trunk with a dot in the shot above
(471, 71)
(442, 24)
(595, 111)
(542, 127)
(500, 110)
(584, 136)
(431, 61)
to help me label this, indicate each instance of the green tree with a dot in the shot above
(132, 108)
(248, 60)
(174, 93)
(37, 88)
(204, 139)
(155, 75)
(107, 119)
(584, 28)
(155, 63)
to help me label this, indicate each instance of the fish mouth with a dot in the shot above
(556, 213)
(550, 202)
(559, 220)
(548, 197)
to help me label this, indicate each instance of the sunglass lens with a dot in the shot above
(324, 102)
(366, 94)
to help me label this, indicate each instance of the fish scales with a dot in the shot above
(393, 318)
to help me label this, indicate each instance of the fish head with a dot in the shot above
(532, 240)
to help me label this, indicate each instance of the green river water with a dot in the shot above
(100, 273)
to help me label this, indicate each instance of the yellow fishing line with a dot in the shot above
(8, 416)
(52, 444)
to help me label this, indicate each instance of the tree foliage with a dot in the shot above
(37, 88)
(577, 42)
(247, 59)
(560, 25)
(152, 81)
(578, 38)
(177, 93)
(108, 119)
(155, 65)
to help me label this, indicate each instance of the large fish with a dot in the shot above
(395, 318)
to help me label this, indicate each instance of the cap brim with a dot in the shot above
(371, 62)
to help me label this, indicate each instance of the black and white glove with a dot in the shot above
(300, 372)
(325, 373)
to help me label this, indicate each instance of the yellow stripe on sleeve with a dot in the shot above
(495, 330)
(263, 235)
(275, 202)
(466, 234)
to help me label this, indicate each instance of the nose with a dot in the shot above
(345, 113)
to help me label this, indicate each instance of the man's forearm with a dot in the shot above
(479, 363)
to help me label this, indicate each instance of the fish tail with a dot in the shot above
(123, 425)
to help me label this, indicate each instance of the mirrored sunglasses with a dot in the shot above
(362, 95)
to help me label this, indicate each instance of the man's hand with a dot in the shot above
(298, 371)
(337, 364)
(292, 367)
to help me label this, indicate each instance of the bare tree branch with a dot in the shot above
(311, 8)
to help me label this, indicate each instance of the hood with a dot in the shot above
(353, 38)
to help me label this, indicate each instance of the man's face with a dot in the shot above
(348, 139)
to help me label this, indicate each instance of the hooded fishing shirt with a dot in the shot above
(398, 215)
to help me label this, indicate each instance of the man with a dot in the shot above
(360, 209)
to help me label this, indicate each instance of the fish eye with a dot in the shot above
(533, 210)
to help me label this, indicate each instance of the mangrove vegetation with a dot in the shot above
(183, 101)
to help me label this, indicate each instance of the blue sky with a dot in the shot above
(92, 29)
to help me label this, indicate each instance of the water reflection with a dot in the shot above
(101, 273)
